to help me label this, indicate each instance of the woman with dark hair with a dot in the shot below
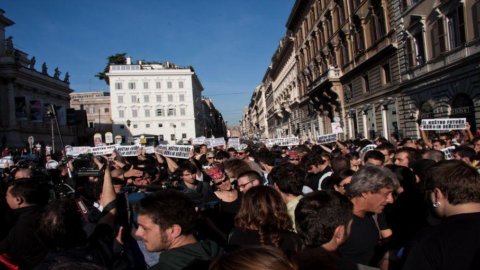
(263, 220)
(227, 204)
(253, 258)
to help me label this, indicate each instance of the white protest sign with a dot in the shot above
(327, 138)
(48, 150)
(367, 148)
(77, 150)
(337, 128)
(127, 150)
(97, 139)
(149, 149)
(102, 150)
(118, 139)
(199, 140)
(175, 151)
(233, 142)
(217, 142)
(290, 141)
(444, 123)
(31, 140)
(108, 138)
(448, 152)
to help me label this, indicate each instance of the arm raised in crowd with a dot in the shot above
(107, 200)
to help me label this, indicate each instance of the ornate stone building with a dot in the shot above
(375, 66)
(27, 95)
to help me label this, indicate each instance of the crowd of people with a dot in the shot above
(345, 205)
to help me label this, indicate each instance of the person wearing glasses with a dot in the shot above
(228, 203)
(247, 180)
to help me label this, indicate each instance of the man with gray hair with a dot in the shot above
(370, 191)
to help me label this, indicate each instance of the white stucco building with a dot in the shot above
(155, 99)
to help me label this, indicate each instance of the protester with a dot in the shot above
(454, 190)
(166, 223)
(263, 220)
(323, 222)
(370, 190)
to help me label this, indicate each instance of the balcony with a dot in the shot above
(332, 74)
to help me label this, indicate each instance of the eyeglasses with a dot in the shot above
(240, 187)
(221, 182)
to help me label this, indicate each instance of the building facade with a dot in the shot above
(28, 96)
(378, 67)
(155, 100)
(97, 108)
(440, 63)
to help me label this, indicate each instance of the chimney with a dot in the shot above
(129, 60)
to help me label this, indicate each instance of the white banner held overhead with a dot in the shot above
(102, 150)
(199, 141)
(444, 123)
(233, 142)
(290, 141)
(336, 127)
(127, 150)
(77, 150)
(175, 151)
(149, 149)
(327, 138)
(217, 142)
(448, 152)
(367, 148)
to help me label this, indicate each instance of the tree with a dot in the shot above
(116, 59)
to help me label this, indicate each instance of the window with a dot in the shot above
(169, 85)
(365, 84)
(344, 50)
(145, 85)
(160, 125)
(182, 97)
(159, 98)
(122, 126)
(358, 35)
(456, 27)
(476, 19)
(135, 126)
(378, 30)
(147, 125)
(182, 111)
(184, 135)
(172, 137)
(147, 113)
(387, 76)
(160, 112)
(134, 113)
(171, 112)
(90, 124)
(160, 137)
(170, 98)
(118, 85)
(131, 85)
(438, 38)
(121, 114)
(180, 84)
(146, 98)
(106, 110)
(134, 99)
(120, 99)
(158, 85)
